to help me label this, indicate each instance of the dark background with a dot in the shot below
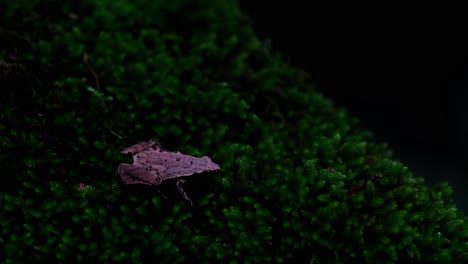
(402, 71)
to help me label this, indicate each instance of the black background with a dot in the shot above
(403, 71)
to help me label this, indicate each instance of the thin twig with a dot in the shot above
(91, 69)
(115, 134)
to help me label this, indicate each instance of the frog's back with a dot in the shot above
(150, 157)
(176, 164)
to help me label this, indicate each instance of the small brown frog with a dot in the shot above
(152, 166)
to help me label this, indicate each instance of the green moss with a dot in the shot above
(300, 181)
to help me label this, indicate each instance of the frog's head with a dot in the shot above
(210, 165)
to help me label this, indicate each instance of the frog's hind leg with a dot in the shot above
(182, 191)
(127, 173)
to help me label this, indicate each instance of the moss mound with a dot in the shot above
(300, 182)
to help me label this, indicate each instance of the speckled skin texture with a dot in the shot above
(152, 166)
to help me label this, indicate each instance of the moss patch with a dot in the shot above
(300, 181)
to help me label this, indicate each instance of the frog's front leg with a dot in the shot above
(182, 191)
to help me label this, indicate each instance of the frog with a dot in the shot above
(152, 166)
